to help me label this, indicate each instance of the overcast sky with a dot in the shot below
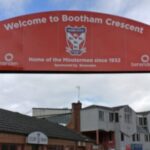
(21, 92)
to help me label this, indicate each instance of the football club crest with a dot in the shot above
(76, 39)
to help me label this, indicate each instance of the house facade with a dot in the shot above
(112, 128)
(21, 132)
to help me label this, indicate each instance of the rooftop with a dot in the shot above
(13, 122)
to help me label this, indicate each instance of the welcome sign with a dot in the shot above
(74, 41)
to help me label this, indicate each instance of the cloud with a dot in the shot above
(11, 8)
(22, 92)
(102, 6)
(135, 9)
(140, 11)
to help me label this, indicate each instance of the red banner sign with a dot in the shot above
(74, 41)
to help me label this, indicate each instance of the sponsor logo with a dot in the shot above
(76, 40)
(145, 58)
(8, 57)
(8, 60)
(144, 61)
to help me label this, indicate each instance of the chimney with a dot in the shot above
(75, 118)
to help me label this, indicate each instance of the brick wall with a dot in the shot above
(75, 118)
(20, 141)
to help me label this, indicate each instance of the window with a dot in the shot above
(4, 147)
(8, 147)
(111, 117)
(136, 137)
(122, 137)
(55, 147)
(133, 137)
(143, 121)
(116, 117)
(12, 147)
(127, 118)
(101, 115)
(140, 121)
(146, 138)
(127, 115)
(110, 136)
(35, 147)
